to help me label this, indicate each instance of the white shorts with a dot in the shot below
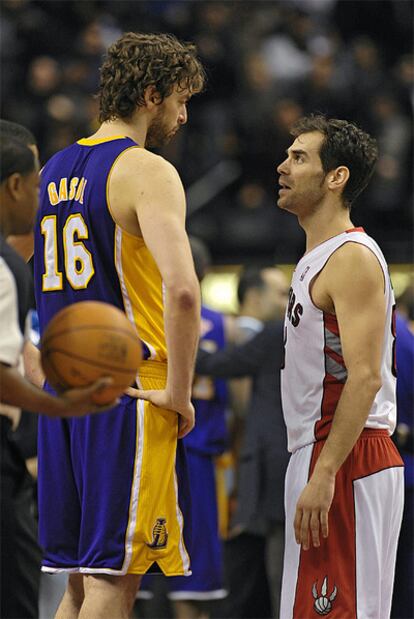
(351, 574)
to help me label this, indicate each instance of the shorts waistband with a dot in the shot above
(153, 369)
(374, 433)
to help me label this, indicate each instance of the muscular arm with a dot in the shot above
(354, 282)
(158, 200)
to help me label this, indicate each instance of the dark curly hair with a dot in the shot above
(138, 60)
(344, 144)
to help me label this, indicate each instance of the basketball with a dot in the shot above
(89, 340)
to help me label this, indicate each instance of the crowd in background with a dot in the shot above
(268, 63)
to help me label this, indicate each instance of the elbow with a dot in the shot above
(186, 296)
(369, 380)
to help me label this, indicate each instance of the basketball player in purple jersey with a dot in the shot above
(344, 484)
(111, 227)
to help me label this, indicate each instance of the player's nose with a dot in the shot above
(282, 168)
(183, 116)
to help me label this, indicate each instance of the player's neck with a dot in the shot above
(5, 220)
(120, 127)
(325, 223)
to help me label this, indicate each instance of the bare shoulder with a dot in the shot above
(354, 266)
(139, 165)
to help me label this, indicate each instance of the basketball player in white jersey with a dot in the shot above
(344, 484)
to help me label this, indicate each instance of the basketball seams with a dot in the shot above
(88, 340)
(92, 362)
(75, 328)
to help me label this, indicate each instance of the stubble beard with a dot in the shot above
(158, 134)
(302, 202)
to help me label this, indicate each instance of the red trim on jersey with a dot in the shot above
(331, 323)
(332, 390)
(333, 355)
(332, 387)
(359, 229)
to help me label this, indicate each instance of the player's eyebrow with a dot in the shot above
(297, 151)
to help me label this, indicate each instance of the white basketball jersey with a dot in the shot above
(314, 372)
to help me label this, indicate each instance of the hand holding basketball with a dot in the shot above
(87, 341)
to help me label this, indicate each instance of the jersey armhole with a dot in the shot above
(326, 262)
(108, 203)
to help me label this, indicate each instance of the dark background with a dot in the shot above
(268, 63)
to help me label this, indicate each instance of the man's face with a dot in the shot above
(26, 203)
(275, 294)
(171, 113)
(302, 179)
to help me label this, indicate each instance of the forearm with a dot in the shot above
(182, 328)
(16, 390)
(32, 365)
(348, 422)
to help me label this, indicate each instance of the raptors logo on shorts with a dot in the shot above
(323, 602)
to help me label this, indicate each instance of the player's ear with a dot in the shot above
(338, 178)
(152, 97)
(14, 185)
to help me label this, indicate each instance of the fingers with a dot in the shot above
(185, 426)
(324, 524)
(314, 527)
(306, 525)
(304, 530)
(99, 385)
(133, 392)
(140, 394)
(105, 407)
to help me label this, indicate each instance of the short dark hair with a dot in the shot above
(138, 60)
(250, 278)
(344, 144)
(15, 156)
(9, 129)
(201, 256)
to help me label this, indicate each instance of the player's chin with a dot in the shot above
(159, 142)
(170, 136)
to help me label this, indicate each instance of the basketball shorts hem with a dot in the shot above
(102, 570)
(198, 596)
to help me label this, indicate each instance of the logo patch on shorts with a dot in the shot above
(323, 603)
(159, 534)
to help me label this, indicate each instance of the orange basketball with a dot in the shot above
(89, 340)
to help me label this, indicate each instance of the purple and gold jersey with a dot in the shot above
(111, 486)
(81, 254)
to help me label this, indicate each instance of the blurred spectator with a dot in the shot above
(394, 138)
(320, 91)
(286, 51)
(403, 598)
(266, 63)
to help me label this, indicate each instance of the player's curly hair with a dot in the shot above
(138, 60)
(344, 144)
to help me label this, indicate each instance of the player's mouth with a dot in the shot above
(283, 187)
